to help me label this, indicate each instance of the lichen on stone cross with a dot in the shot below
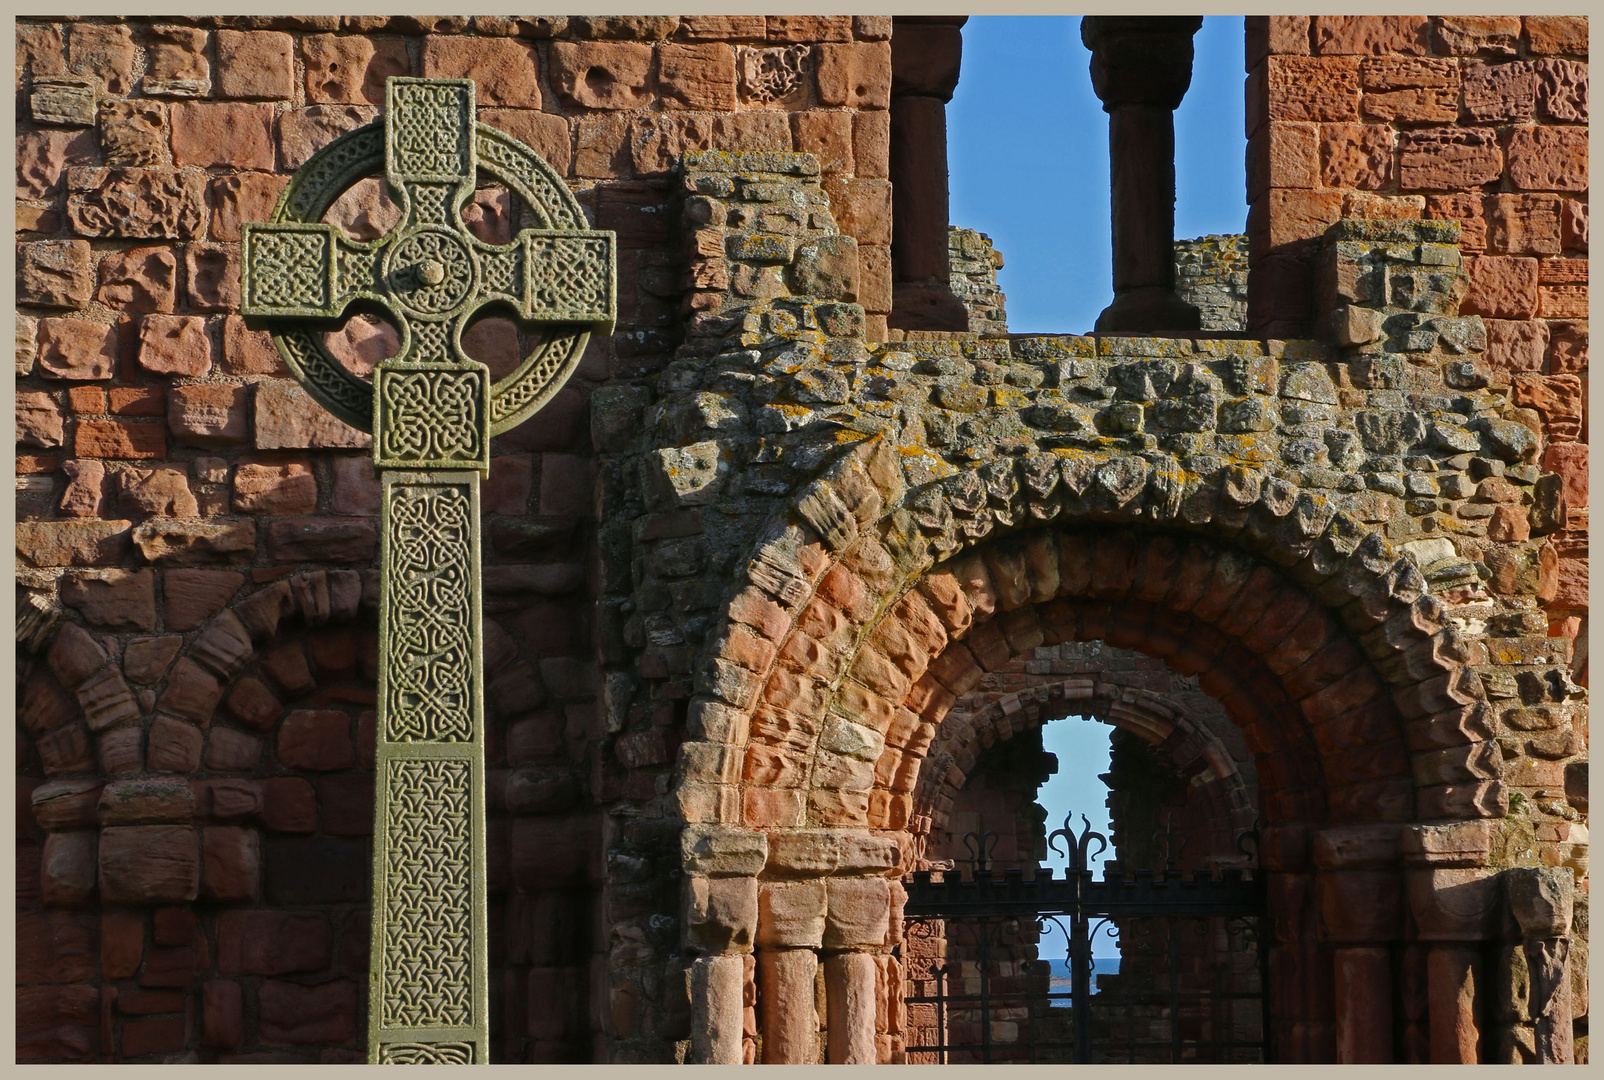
(432, 410)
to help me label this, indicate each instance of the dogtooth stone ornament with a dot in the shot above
(432, 410)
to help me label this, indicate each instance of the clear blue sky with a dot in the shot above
(1027, 150)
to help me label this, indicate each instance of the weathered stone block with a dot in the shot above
(287, 417)
(135, 204)
(149, 864)
(598, 75)
(77, 349)
(505, 70)
(54, 273)
(208, 414)
(256, 64)
(351, 69)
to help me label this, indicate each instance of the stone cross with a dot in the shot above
(432, 411)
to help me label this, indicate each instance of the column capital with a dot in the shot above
(1140, 59)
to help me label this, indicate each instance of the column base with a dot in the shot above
(1147, 309)
(926, 305)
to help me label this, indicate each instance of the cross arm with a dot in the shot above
(566, 276)
(304, 270)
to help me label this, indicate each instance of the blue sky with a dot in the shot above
(1027, 150)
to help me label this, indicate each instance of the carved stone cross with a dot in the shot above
(432, 411)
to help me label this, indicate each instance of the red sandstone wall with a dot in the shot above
(1479, 119)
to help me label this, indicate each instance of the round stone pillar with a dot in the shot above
(1141, 68)
(1361, 916)
(925, 54)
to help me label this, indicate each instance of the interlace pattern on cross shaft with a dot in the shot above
(567, 275)
(291, 270)
(428, 136)
(428, 972)
(428, 632)
(430, 416)
(414, 1053)
(430, 340)
(549, 359)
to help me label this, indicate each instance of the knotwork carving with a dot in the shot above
(431, 659)
(416, 1053)
(427, 914)
(430, 269)
(431, 416)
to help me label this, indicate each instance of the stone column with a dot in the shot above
(1361, 914)
(1455, 902)
(857, 922)
(720, 904)
(1141, 68)
(1542, 899)
(925, 55)
(790, 927)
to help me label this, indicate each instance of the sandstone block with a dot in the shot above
(175, 62)
(829, 137)
(1499, 92)
(862, 208)
(39, 420)
(65, 750)
(43, 156)
(208, 414)
(545, 134)
(303, 132)
(597, 75)
(241, 197)
(859, 911)
(791, 913)
(351, 69)
(192, 692)
(120, 751)
(288, 488)
(163, 490)
(66, 804)
(339, 540)
(1523, 224)
(54, 273)
(1470, 35)
(1369, 35)
(288, 418)
(1548, 159)
(134, 132)
(113, 599)
(857, 76)
(146, 802)
(1448, 158)
(231, 865)
(356, 486)
(149, 864)
(1562, 90)
(107, 700)
(289, 804)
(175, 746)
(1516, 345)
(27, 344)
(249, 352)
(135, 204)
(1312, 89)
(316, 739)
(255, 64)
(506, 70)
(145, 660)
(77, 349)
(1556, 35)
(697, 76)
(222, 1014)
(871, 145)
(189, 543)
(294, 1015)
(273, 942)
(222, 134)
(72, 543)
(141, 280)
(1356, 156)
(175, 345)
(119, 439)
(1501, 287)
(721, 912)
(67, 868)
(721, 28)
(66, 101)
(229, 751)
(211, 277)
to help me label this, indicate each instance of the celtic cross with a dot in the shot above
(432, 410)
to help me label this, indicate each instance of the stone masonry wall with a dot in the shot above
(1211, 273)
(1476, 119)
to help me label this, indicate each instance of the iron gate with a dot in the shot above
(1191, 982)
